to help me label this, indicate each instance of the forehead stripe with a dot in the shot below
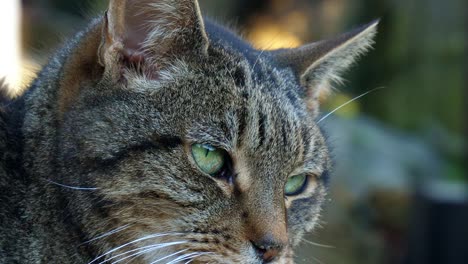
(157, 142)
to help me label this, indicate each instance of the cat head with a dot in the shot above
(186, 142)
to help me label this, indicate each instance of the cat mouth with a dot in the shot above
(252, 256)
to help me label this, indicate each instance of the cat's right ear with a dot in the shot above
(148, 34)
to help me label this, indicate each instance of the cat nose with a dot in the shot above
(267, 248)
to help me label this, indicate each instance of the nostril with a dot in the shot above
(267, 253)
(260, 251)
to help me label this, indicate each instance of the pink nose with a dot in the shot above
(268, 248)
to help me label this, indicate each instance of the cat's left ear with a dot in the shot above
(318, 64)
(134, 38)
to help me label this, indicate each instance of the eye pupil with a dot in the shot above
(295, 184)
(209, 159)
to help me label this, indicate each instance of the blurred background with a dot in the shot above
(399, 189)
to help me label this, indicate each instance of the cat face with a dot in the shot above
(195, 148)
(140, 152)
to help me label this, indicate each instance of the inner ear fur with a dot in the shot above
(318, 64)
(151, 32)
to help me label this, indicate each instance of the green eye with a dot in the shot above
(295, 184)
(208, 158)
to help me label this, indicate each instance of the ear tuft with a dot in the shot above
(339, 54)
(319, 64)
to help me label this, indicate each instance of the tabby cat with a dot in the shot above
(157, 136)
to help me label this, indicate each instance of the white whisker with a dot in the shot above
(72, 187)
(168, 256)
(196, 256)
(262, 51)
(132, 242)
(258, 57)
(183, 257)
(348, 102)
(107, 234)
(317, 244)
(142, 250)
